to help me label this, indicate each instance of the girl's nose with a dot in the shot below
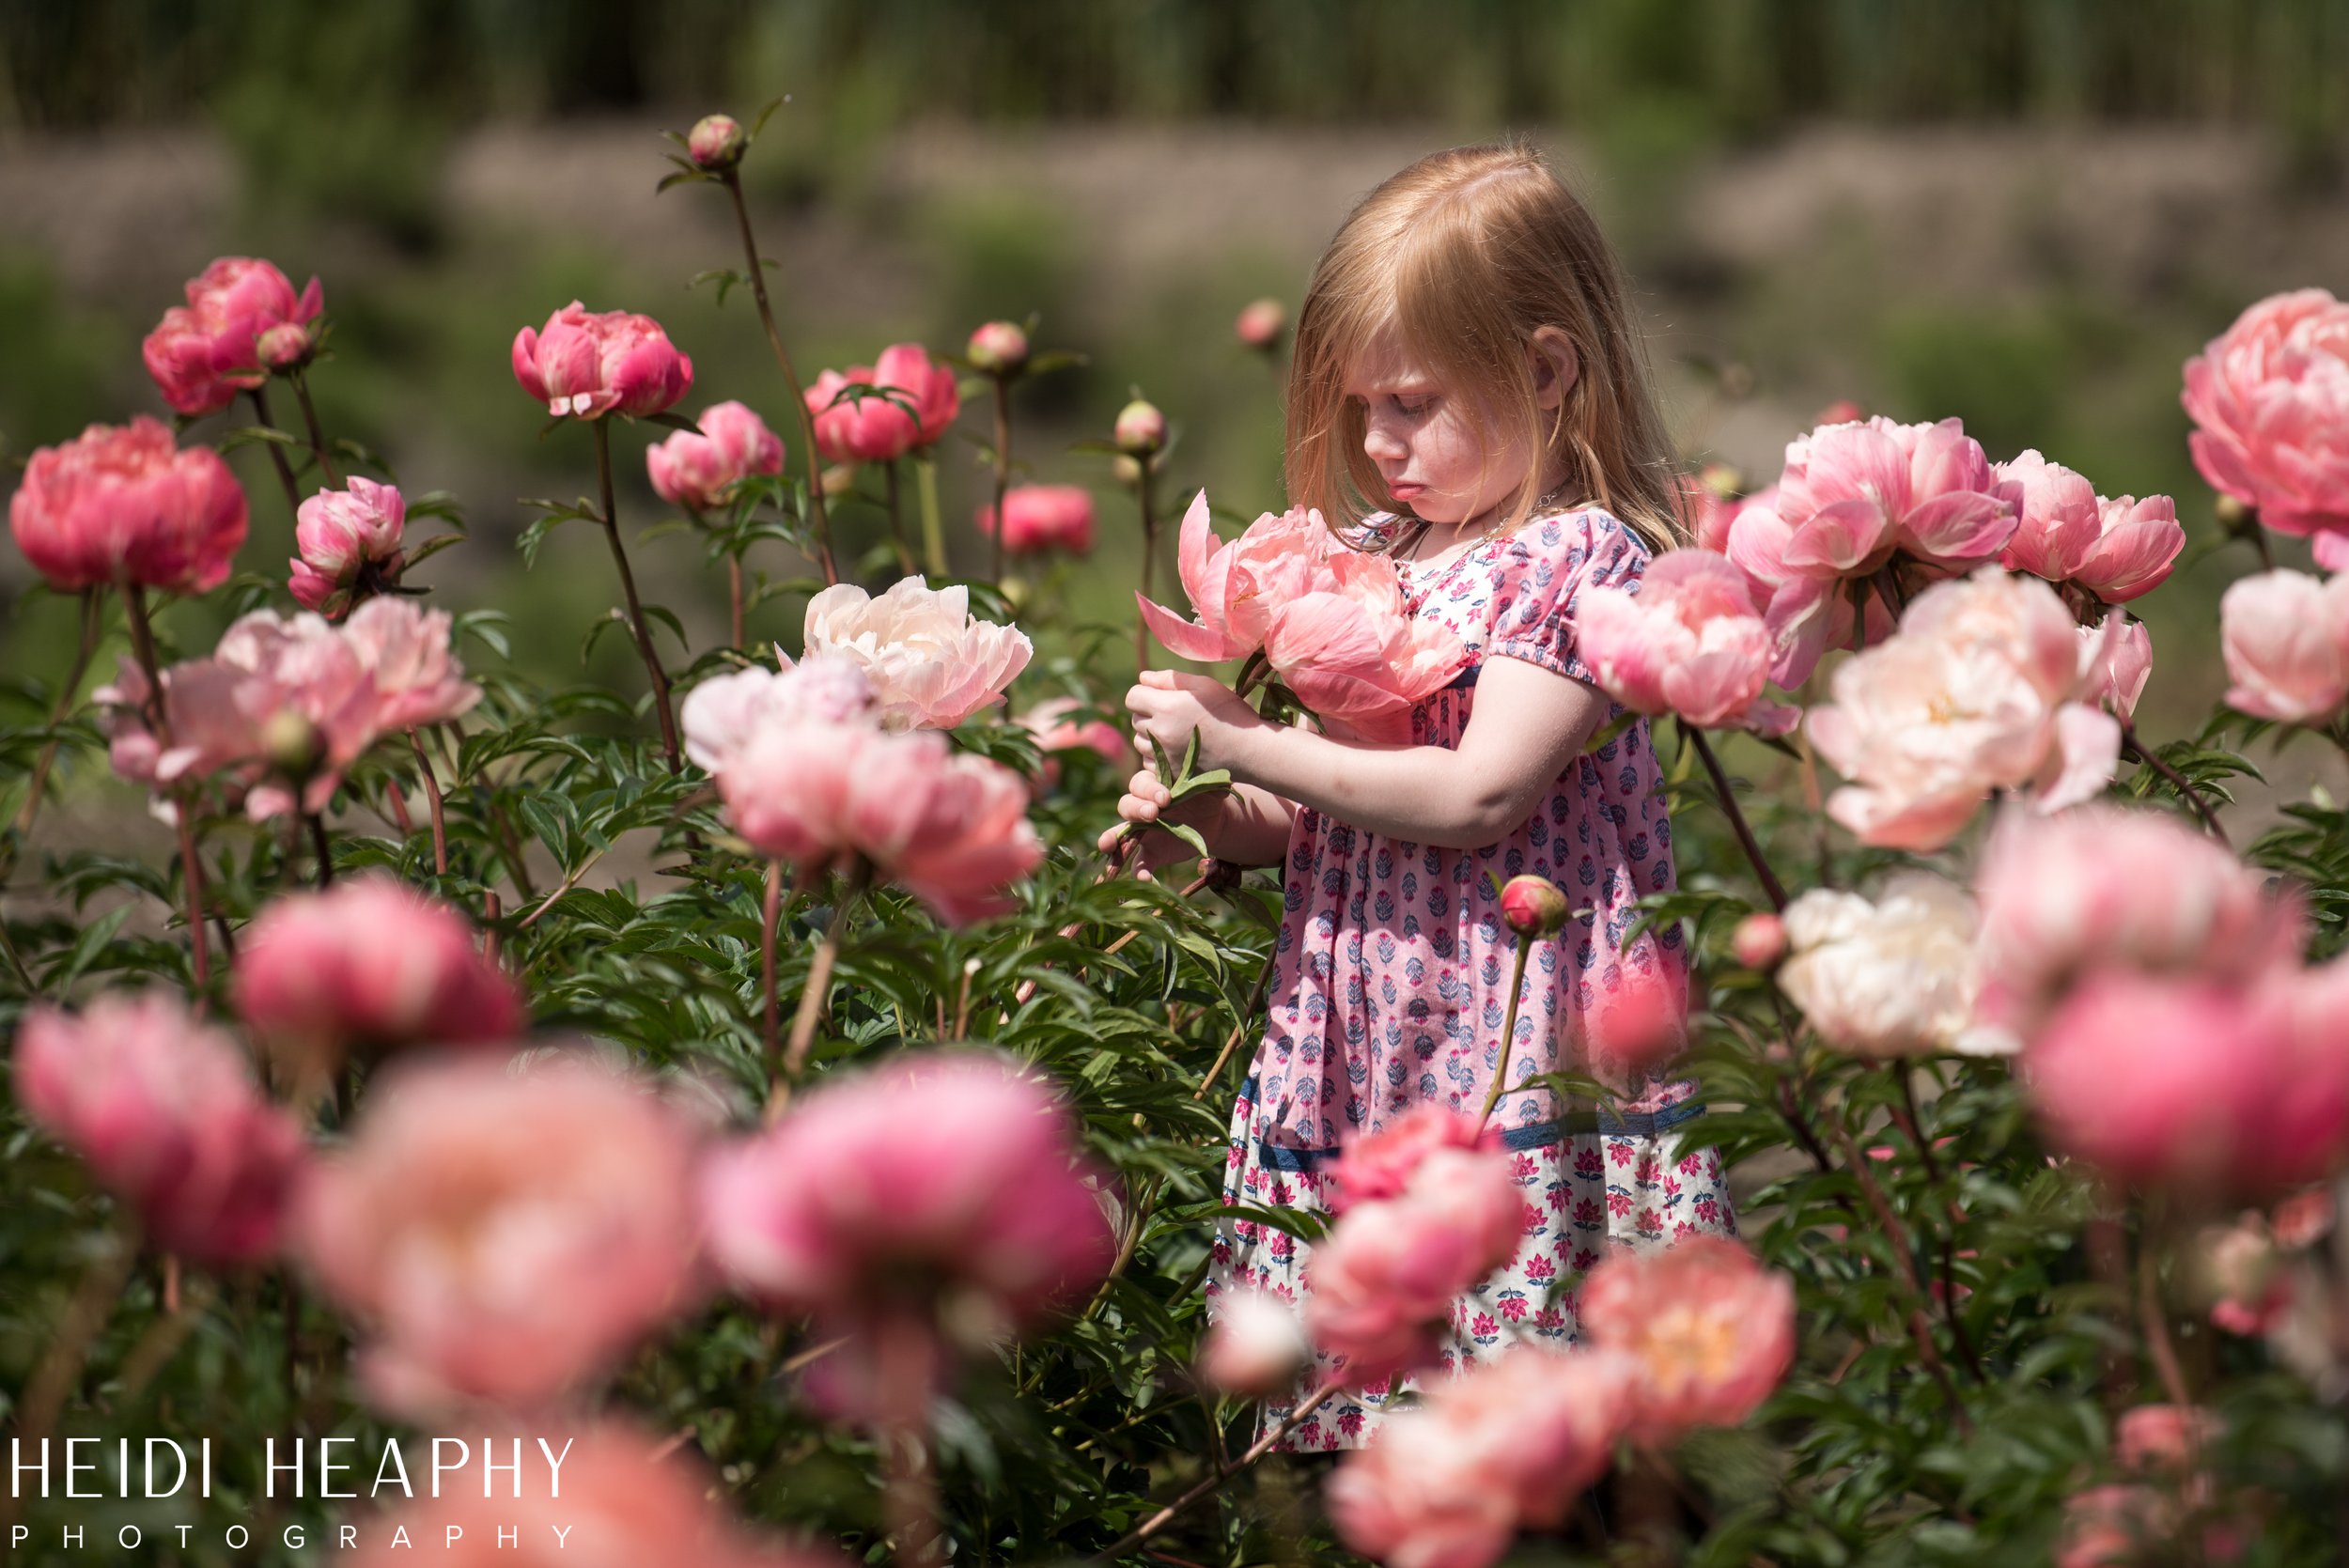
(1381, 445)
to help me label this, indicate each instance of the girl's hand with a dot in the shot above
(1168, 707)
(1147, 801)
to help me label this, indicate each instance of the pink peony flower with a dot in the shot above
(1256, 1345)
(1853, 494)
(1511, 1445)
(2165, 1437)
(2122, 662)
(1533, 905)
(2106, 1527)
(1711, 1330)
(875, 428)
(2064, 897)
(1379, 1165)
(349, 541)
(998, 349)
(2138, 544)
(716, 142)
(618, 1497)
(932, 662)
(834, 1211)
(2269, 398)
(505, 1236)
(1383, 1282)
(203, 353)
(370, 964)
(2242, 1272)
(1689, 641)
(2116, 550)
(1981, 690)
(1806, 614)
(410, 667)
(589, 363)
(1347, 648)
(1236, 587)
(719, 716)
(2285, 637)
(1042, 518)
(1759, 941)
(1056, 728)
(949, 826)
(121, 503)
(162, 1107)
(1260, 324)
(700, 472)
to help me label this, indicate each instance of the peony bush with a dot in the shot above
(755, 1079)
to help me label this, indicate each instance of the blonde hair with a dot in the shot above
(1463, 257)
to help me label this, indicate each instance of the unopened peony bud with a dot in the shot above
(1759, 941)
(1256, 1347)
(2235, 518)
(1128, 469)
(998, 348)
(293, 745)
(1533, 905)
(716, 142)
(1260, 325)
(1842, 411)
(285, 346)
(1141, 428)
(839, 479)
(1722, 480)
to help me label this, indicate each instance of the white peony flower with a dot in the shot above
(932, 663)
(1892, 977)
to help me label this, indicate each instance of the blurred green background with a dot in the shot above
(2022, 212)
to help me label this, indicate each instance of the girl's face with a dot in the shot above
(1430, 445)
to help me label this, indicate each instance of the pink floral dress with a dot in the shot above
(1391, 980)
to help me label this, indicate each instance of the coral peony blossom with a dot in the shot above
(951, 828)
(700, 472)
(618, 1497)
(932, 662)
(505, 1236)
(122, 503)
(2122, 662)
(2285, 637)
(1509, 1446)
(998, 349)
(1381, 1285)
(2165, 1437)
(922, 399)
(1711, 1330)
(370, 964)
(1379, 1165)
(1256, 1345)
(1806, 613)
(1261, 323)
(1236, 587)
(1854, 494)
(2065, 896)
(349, 541)
(162, 1107)
(202, 353)
(1896, 976)
(1689, 643)
(2117, 549)
(722, 714)
(2138, 544)
(1981, 690)
(716, 142)
(2269, 398)
(1056, 728)
(589, 363)
(1043, 517)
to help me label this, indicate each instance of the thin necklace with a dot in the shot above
(1421, 532)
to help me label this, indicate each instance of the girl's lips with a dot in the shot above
(1404, 492)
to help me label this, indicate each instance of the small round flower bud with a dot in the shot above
(1533, 905)
(716, 142)
(1759, 941)
(1141, 428)
(2238, 520)
(1128, 469)
(285, 346)
(1260, 325)
(998, 348)
(1722, 481)
(1842, 411)
(292, 744)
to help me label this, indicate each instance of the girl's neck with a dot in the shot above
(1436, 539)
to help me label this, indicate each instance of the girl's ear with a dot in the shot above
(1555, 365)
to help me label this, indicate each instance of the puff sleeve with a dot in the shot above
(1543, 576)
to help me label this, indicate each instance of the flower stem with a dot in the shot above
(1771, 887)
(896, 520)
(319, 848)
(2154, 1317)
(903, 1353)
(1149, 552)
(310, 419)
(1002, 476)
(60, 1369)
(1247, 1461)
(183, 811)
(734, 599)
(1896, 1237)
(771, 915)
(1508, 1030)
(635, 611)
(1239, 1028)
(276, 453)
(432, 794)
(732, 182)
(817, 991)
(2186, 792)
(933, 533)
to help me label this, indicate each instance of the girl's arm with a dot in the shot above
(1527, 724)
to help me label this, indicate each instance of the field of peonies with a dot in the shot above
(840, 1188)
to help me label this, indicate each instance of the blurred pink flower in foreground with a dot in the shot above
(1261, 323)
(1043, 517)
(2269, 398)
(1056, 727)
(124, 503)
(1256, 1347)
(1381, 1165)
(722, 714)
(2121, 662)
(619, 1498)
(505, 1235)
(1509, 1446)
(1382, 1284)
(589, 363)
(700, 472)
(2286, 638)
(370, 964)
(163, 1109)
(349, 541)
(923, 400)
(1980, 690)
(1710, 1329)
(2117, 549)
(1689, 643)
(202, 353)
(931, 661)
(977, 1226)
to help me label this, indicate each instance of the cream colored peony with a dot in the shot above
(1987, 685)
(932, 663)
(1893, 977)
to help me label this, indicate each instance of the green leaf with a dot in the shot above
(87, 947)
(673, 421)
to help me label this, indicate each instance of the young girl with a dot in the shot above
(1467, 396)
